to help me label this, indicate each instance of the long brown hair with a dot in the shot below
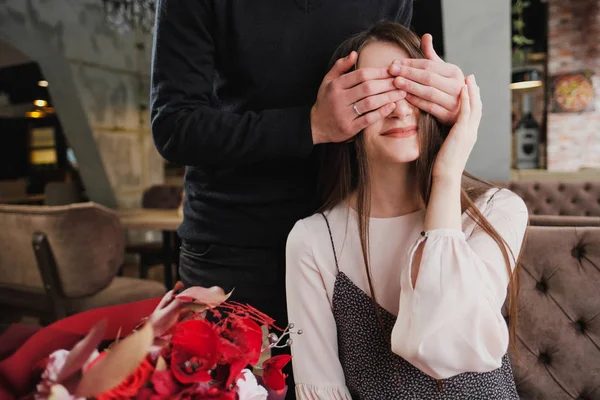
(345, 167)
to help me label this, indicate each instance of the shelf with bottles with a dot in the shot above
(528, 134)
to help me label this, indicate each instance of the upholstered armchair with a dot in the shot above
(57, 261)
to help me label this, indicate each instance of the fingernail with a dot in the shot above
(395, 68)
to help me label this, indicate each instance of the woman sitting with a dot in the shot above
(398, 285)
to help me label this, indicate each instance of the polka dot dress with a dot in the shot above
(373, 372)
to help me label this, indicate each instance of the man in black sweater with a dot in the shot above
(239, 97)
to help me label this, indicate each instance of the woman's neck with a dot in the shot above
(394, 191)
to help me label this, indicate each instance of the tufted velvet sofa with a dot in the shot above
(559, 311)
(558, 197)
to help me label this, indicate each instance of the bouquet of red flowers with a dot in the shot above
(195, 345)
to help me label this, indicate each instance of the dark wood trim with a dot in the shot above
(50, 277)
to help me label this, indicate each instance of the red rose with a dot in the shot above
(215, 393)
(204, 391)
(146, 394)
(273, 377)
(132, 384)
(195, 351)
(240, 339)
(164, 383)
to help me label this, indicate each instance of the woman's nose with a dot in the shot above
(403, 109)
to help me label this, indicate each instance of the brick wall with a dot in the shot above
(574, 45)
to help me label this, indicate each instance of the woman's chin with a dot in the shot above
(403, 155)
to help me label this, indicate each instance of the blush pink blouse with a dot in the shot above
(449, 323)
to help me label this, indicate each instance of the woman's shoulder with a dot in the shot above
(317, 230)
(319, 224)
(502, 202)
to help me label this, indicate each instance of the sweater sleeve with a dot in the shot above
(317, 369)
(186, 127)
(451, 321)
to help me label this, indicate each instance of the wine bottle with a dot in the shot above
(528, 137)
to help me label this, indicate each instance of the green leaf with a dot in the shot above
(518, 40)
(519, 24)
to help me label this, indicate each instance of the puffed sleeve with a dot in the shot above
(317, 369)
(451, 321)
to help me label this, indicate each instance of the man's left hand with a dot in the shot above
(432, 84)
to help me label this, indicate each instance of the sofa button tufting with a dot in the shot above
(541, 286)
(544, 358)
(580, 326)
(578, 252)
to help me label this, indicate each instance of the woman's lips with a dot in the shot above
(401, 132)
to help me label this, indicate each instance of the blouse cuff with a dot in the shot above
(312, 392)
(444, 233)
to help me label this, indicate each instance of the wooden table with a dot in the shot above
(24, 199)
(166, 221)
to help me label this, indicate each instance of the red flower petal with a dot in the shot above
(273, 377)
(196, 342)
(279, 361)
(235, 370)
(240, 338)
(131, 385)
(178, 358)
(164, 383)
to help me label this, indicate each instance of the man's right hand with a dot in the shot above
(369, 91)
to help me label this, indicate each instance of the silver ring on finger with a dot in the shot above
(356, 110)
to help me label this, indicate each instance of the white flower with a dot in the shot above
(248, 388)
(56, 362)
(48, 388)
(59, 392)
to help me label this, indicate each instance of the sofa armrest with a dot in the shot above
(556, 220)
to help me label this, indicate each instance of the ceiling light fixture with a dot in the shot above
(526, 78)
(125, 15)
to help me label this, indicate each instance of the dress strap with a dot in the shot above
(337, 267)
